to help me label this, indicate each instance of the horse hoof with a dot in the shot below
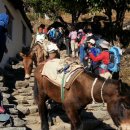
(27, 76)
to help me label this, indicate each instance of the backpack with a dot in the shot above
(115, 59)
(52, 33)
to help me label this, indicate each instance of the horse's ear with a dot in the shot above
(124, 88)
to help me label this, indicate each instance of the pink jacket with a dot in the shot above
(73, 35)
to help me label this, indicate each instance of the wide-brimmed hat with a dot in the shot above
(80, 30)
(52, 47)
(92, 41)
(104, 45)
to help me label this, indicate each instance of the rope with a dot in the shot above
(102, 92)
(62, 87)
(93, 100)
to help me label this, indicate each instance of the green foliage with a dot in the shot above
(77, 7)
(50, 7)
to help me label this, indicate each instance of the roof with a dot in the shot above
(18, 4)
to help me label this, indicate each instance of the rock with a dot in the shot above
(5, 101)
(31, 79)
(61, 126)
(13, 111)
(5, 95)
(32, 74)
(13, 128)
(1, 84)
(23, 102)
(28, 98)
(3, 89)
(26, 94)
(31, 84)
(32, 120)
(33, 109)
(21, 84)
(1, 78)
(18, 122)
(15, 93)
(24, 110)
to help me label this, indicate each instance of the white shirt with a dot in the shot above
(40, 37)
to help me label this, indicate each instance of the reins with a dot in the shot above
(92, 94)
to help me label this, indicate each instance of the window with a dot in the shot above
(10, 25)
(24, 34)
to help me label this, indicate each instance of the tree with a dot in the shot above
(120, 7)
(75, 8)
(51, 7)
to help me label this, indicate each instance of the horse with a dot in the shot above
(85, 89)
(37, 54)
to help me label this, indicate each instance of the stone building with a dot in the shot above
(19, 28)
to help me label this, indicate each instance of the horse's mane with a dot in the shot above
(34, 45)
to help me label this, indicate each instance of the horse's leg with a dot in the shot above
(73, 115)
(43, 112)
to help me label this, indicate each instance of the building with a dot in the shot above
(19, 28)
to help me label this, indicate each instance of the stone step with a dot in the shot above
(24, 102)
(60, 126)
(1, 84)
(6, 95)
(13, 111)
(32, 120)
(24, 110)
(18, 122)
(21, 84)
(4, 89)
(14, 128)
(1, 78)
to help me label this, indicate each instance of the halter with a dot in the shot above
(92, 95)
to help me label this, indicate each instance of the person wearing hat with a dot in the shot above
(53, 51)
(104, 59)
(4, 19)
(95, 51)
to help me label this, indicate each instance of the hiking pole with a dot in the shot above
(66, 67)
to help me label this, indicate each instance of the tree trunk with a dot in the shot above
(120, 14)
(75, 16)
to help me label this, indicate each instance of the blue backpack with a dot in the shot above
(52, 33)
(115, 59)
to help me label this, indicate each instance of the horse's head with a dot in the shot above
(27, 63)
(36, 54)
(119, 107)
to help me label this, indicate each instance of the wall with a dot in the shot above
(15, 44)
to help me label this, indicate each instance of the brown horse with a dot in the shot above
(81, 93)
(37, 54)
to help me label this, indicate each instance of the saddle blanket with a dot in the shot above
(51, 67)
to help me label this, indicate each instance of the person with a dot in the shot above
(40, 36)
(53, 51)
(95, 51)
(4, 19)
(82, 39)
(104, 59)
(73, 43)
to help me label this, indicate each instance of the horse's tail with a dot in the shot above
(35, 90)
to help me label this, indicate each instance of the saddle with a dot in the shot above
(51, 71)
